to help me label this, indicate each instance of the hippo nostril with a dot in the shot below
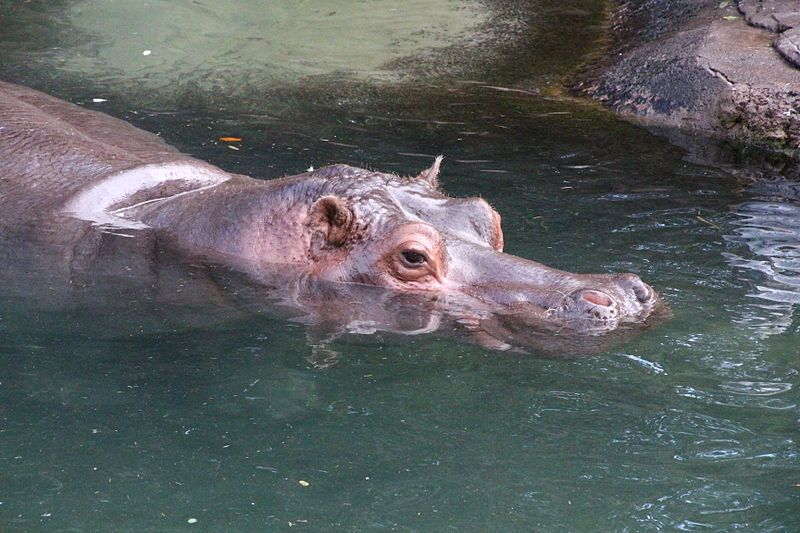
(593, 305)
(597, 298)
(643, 293)
(640, 289)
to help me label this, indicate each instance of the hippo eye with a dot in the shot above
(414, 259)
(417, 260)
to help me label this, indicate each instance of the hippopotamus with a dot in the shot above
(350, 237)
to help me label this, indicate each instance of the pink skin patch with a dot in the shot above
(597, 298)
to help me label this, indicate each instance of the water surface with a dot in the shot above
(124, 411)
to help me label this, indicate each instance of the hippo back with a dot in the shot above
(51, 149)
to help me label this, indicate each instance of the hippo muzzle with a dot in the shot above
(536, 293)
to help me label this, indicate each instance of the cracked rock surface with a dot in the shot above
(788, 44)
(773, 15)
(726, 69)
(778, 16)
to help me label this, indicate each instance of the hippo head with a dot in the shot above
(404, 234)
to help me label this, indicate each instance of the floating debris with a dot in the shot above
(510, 90)
(415, 154)
(705, 221)
(345, 145)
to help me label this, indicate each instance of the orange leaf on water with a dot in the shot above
(230, 139)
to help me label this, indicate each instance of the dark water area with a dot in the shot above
(128, 411)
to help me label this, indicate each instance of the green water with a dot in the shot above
(160, 418)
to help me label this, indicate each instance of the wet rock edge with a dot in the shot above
(704, 73)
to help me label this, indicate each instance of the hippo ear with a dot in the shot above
(330, 214)
(429, 175)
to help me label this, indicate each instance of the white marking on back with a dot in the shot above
(94, 203)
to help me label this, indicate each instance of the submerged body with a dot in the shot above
(338, 225)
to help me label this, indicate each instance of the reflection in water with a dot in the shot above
(770, 228)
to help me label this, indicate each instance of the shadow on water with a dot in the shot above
(256, 58)
(145, 403)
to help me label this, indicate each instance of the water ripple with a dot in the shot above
(692, 509)
(770, 230)
(735, 399)
(756, 388)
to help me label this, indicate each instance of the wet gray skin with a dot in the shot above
(339, 225)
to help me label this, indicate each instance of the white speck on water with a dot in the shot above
(192, 521)
(310, 169)
(147, 52)
(99, 100)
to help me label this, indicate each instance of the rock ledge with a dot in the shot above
(716, 67)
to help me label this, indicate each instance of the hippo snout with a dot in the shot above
(589, 303)
(602, 306)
